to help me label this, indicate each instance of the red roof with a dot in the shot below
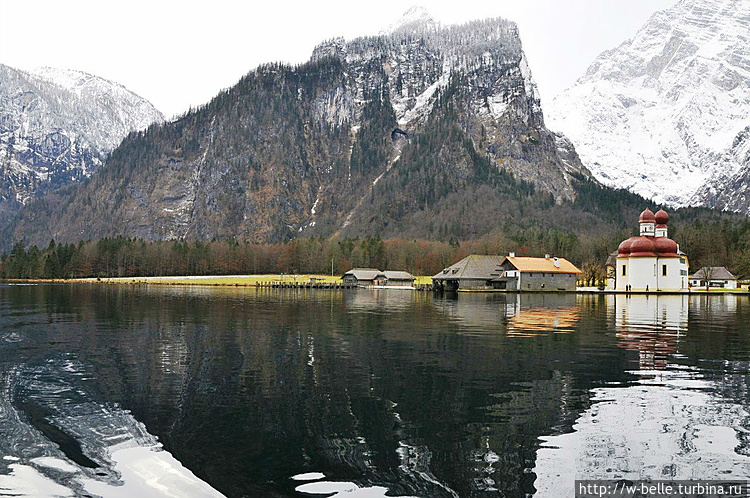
(642, 246)
(647, 216)
(665, 246)
(624, 248)
(661, 217)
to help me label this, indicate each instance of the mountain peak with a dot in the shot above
(659, 114)
(417, 17)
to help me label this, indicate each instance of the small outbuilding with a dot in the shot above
(715, 277)
(362, 277)
(395, 279)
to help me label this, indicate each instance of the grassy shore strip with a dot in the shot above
(226, 280)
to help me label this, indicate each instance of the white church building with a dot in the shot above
(650, 262)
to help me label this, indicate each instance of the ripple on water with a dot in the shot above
(125, 460)
(671, 424)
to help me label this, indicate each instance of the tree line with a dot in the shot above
(707, 243)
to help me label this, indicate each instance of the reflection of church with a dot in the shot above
(650, 325)
(651, 261)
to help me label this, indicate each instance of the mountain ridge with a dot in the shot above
(659, 113)
(375, 135)
(57, 127)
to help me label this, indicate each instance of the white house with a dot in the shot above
(717, 276)
(652, 261)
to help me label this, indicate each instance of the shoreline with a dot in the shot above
(327, 282)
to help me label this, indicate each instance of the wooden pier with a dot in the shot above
(271, 284)
(306, 285)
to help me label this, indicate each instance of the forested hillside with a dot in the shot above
(384, 135)
(709, 239)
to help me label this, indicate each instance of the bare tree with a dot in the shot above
(708, 274)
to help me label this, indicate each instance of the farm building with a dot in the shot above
(541, 274)
(477, 272)
(713, 276)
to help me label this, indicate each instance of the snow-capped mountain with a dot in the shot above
(392, 134)
(415, 19)
(663, 113)
(57, 126)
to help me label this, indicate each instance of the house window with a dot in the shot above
(624, 271)
(682, 261)
(663, 270)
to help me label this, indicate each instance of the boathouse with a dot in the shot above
(362, 277)
(366, 277)
(473, 272)
(479, 272)
(395, 279)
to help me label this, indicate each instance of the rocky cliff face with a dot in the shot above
(663, 114)
(375, 135)
(57, 126)
(732, 192)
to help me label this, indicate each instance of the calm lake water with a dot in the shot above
(106, 389)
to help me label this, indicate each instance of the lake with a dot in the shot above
(118, 390)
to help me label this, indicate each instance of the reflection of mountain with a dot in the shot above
(421, 395)
(58, 441)
(249, 388)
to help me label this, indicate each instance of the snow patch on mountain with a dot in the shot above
(414, 19)
(659, 114)
(57, 126)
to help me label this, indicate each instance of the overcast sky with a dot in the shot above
(181, 53)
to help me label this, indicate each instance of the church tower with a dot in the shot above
(647, 221)
(662, 218)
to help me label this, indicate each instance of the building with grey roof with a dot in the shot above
(362, 277)
(473, 272)
(480, 272)
(713, 276)
(365, 277)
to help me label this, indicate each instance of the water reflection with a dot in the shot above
(673, 420)
(395, 392)
(650, 325)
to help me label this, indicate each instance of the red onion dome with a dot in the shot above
(643, 246)
(624, 248)
(665, 246)
(647, 216)
(661, 217)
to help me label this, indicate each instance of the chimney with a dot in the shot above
(557, 262)
(546, 256)
(511, 255)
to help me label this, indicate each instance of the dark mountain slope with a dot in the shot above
(400, 134)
